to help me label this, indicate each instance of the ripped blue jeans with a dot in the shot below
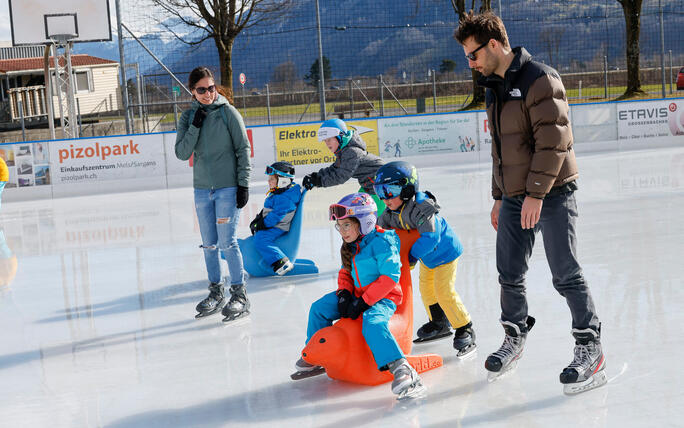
(218, 217)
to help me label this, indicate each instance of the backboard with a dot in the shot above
(33, 21)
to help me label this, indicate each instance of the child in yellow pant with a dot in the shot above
(438, 249)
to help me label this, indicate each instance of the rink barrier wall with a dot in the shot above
(60, 168)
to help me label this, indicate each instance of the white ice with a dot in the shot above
(98, 329)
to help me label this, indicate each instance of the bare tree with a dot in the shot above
(550, 38)
(632, 11)
(285, 74)
(460, 9)
(219, 20)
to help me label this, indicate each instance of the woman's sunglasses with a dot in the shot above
(200, 90)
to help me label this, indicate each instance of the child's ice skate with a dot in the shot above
(506, 358)
(436, 328)
(406, 384)
(464, 342)
(587, 369)
(305, 370)
(282, 266)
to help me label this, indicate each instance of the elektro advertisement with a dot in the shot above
(422, 135)
(299, 145)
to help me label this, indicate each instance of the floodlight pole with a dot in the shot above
(48, 91)
(321, 69)
(122, 67)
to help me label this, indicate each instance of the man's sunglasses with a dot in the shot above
(471, 56)
(200, 90)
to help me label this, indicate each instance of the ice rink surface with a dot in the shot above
(97, 328)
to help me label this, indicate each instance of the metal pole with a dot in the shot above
(144, 101)
(48, 91)
(670, 54)
(138, 84)
(244, 106)
(321, 77)
(78, 114)
(580, 90)
(175, 111)
(21, 117)
(382, 96)
(605, 76)
(122, 65)
(351, 99)
(268, 104)
(662, 49)
(434, 91)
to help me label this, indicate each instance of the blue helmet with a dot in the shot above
(335, 128)
(394, 179)
(358, 205)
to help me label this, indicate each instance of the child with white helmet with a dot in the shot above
(352, 160)
(373, 292)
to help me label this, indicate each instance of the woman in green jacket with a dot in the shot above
(213, 132)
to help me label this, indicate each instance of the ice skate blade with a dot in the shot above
(235, 319)
(413, 392)
(206, 314)
(493, 376)
(467, 354)
(597, 380)
(433, 338)
(307, 374)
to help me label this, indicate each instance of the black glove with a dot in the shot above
(312, 180)
(200, 114)
(344, 299)
(357, 307)
(258, 223)
(412, 260)
(242, 196)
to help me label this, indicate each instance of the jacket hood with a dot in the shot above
(356, 141)
(220, 101)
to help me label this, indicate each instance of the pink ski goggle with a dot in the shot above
(338, 212)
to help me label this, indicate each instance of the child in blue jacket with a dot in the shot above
(372, 291)
(438, 248)
(275, 219)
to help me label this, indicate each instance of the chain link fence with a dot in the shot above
(387, 58)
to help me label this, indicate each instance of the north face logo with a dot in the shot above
(515, 92)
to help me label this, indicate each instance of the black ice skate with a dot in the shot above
(437, 328)
(464, 341)
(587, 369)
(406, 384)
(305, 370)
(238, 305)
(282, 266)
(213, 303)
(506, 358)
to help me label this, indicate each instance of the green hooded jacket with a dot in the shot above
(221, 157)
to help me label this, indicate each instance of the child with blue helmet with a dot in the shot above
(372, 292)
(352, 160)
(438, 248)
(275, 219)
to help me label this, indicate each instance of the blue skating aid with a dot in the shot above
(288, 243)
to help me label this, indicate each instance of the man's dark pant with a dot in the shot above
(514, 248)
